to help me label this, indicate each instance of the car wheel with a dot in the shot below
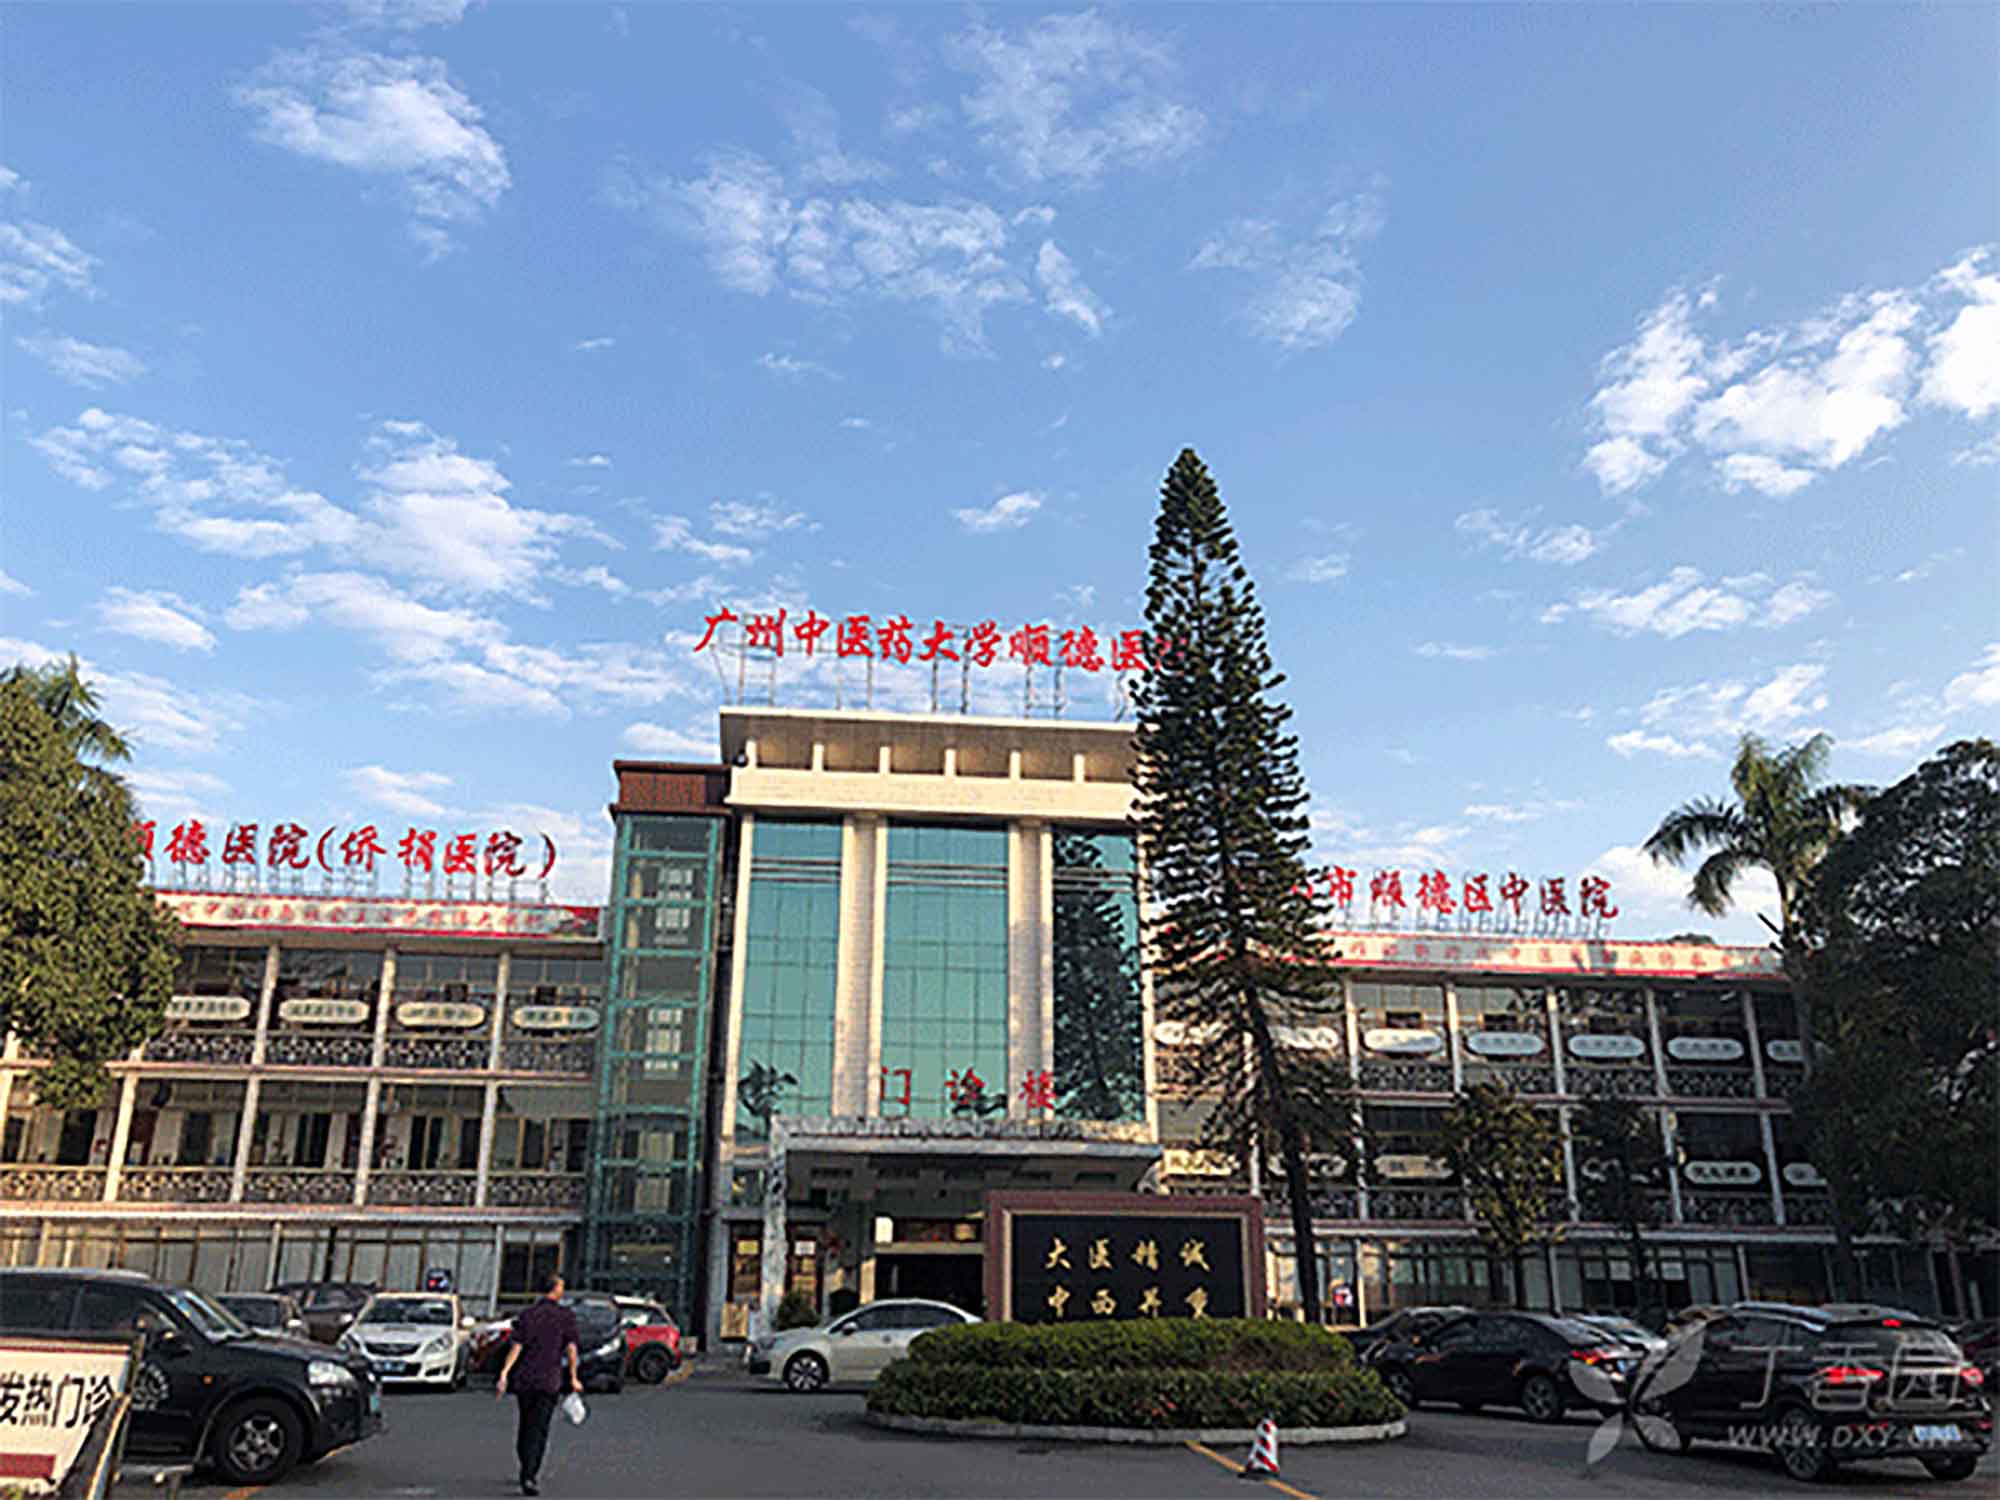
(1541, 1399)
(805, 1373)
(1957, 1466)
(652, 1365)
(258, 1441)
(1400, 1386)
(461, 1372)
(1801, 1448)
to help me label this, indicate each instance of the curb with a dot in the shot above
(972, 1427)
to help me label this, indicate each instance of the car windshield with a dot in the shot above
(424, 1312)
(258, 1312)
(1577, 1333)
(209, 1320)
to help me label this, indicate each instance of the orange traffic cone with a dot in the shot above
(1263, 1461)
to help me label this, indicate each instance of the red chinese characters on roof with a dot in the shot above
(501, 853)
(1475, 896)
(906, 640)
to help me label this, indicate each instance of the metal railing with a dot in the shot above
(174, 1185)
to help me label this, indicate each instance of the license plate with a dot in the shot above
(393, 1366)
(1948, 1433)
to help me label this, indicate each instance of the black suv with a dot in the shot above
(1543, 1364)
(1403, 1324)
(1817, 1389)
(208, 1390)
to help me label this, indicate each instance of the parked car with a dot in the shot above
(209, 1390)
(1543, 1364)
(652, 1337)
(601, 1346)
(268, 1312)
(1404, 1323)
(855, 1346)
(1817, 1390)
(329, 1306)
(1980, 1339)
(1626, 1330)
(413, 1336)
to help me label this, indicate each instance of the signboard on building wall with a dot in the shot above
(556, 1017)
(468, 919)
(63, 1403)
(1584, 959)
(208, 1008)
(1101, 1257)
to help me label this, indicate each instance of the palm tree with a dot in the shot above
(71, 704)
(1783, 821)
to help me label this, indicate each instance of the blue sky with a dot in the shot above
(391, 390)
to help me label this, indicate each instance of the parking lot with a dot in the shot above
(719, 1434)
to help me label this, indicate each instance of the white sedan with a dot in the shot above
(854, 1347)
(414, 1336)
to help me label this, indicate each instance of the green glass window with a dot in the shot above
(785, 1049)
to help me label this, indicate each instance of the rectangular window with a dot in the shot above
(197, 1130)
(1100, 1069)
(789, 974)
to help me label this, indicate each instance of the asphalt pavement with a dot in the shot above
(719, 1434)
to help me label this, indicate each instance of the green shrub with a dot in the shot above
(1217, 1345)
(797, 1311)
(1155, 1399)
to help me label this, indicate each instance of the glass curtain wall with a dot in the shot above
(1100, 1069)
(944, 974)
(785, 1048)
(646, 1144)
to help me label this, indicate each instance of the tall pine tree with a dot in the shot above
(1229, 918)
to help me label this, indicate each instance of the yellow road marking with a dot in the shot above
(1235, 1468)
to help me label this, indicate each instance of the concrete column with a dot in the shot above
(877, 953)
(246, 1127)
(383, 1004)
(10, 1050)
(121, 1135)
(265, 991)
(1352, 1023)
(1045, 942)
(882, 760)
(503, 978)
(950, 760)
(1756, 1045)
(733, 1038)
(1451, 1036)
(1022, 1000)
(1771, 1167)
(488, 1124)
(771, 1267)
(856, 1024)
(1556, 1040)
(1669, 1133)
(1653, 1036)
(364, 1160)
(1569, 1161)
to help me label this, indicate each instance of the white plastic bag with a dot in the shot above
(574, 1409)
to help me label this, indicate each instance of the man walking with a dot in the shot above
(544, 1340)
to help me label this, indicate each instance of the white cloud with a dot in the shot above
(11, 181)
(154, 616)
(658, 739)
(1518, 812)
(164, 794)
(1055, 361)
(1779, 407)
(9, 584)
(1445, 650)
(1964, 373)
(1899, 741)
(815, 130)
(856, 424)
(392, 116)
(89, 365)
(1652, 898)
(1072, 98)
(35, 257)
(1067, 296)
(1328, 567)
(1564, 546)
(590, 461)
(597, 577)
(591, 346)
(756, 519)
(405, 628)
(1683, 603)
(1978, 688)
(1008, 513)
(1979, 455)
(1634, 742)
(1308, 285)
(408, 15)
(674, 534)
(153, 713)
(793, 368)
(404, 791)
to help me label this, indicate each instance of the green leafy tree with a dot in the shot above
(1229, 918)
(761, 1090)
(86, 951)
(1901, 934)
(1507, 1158)
(1099, 1046)
(1622, 1168)
(1784, 818)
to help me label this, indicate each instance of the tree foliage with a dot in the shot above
(1507, 1157)
(1099, 1044)
(1622, 1168)
(86, 951)
(1230, 919)
(1901, 935)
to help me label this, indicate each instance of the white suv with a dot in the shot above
(854, 1347)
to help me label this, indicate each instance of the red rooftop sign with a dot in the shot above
(250, 855)
(900, 640)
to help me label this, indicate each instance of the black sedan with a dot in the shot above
(1543, 1364)
(1404, 1323)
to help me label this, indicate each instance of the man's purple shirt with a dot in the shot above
(542, 1331)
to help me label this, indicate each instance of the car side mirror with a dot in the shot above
(168, 1343)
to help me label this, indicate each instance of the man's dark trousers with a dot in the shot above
(538, 1408)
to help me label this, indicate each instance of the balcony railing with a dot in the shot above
(1783, 1083)
(299, 1185)
(1727, 1210)
(1622, 1083)
(1525, 1078)
(423, 1189)
(1407, 1204)
(174, 1185)
(548, 1055)
(1405, 1077)
(457, 1053)
(1711, 1083)
(52, 1184)
(304, 1049)
(1808, 1210)
(224, 1048)
(535, 1190)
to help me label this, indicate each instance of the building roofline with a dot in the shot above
(892, 717)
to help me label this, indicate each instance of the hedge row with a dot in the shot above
(1155, 1399)
(1215, 1345)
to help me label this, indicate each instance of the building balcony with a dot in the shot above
(1405, 1077)
(457, 1054)
(1621, 1083)
(1783, 1083)
(219, 1048)
(1409, 1205)
(1523, 1078)
(304, 1049)
(536, 1190)
(1809, 1210)
(52, 1184)
(299, 1185)
(174, 1185)
(1711, 1083)
(548, 1055)
(1727, 1210)
(434, 1189)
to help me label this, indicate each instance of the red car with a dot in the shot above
(653, 1337)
